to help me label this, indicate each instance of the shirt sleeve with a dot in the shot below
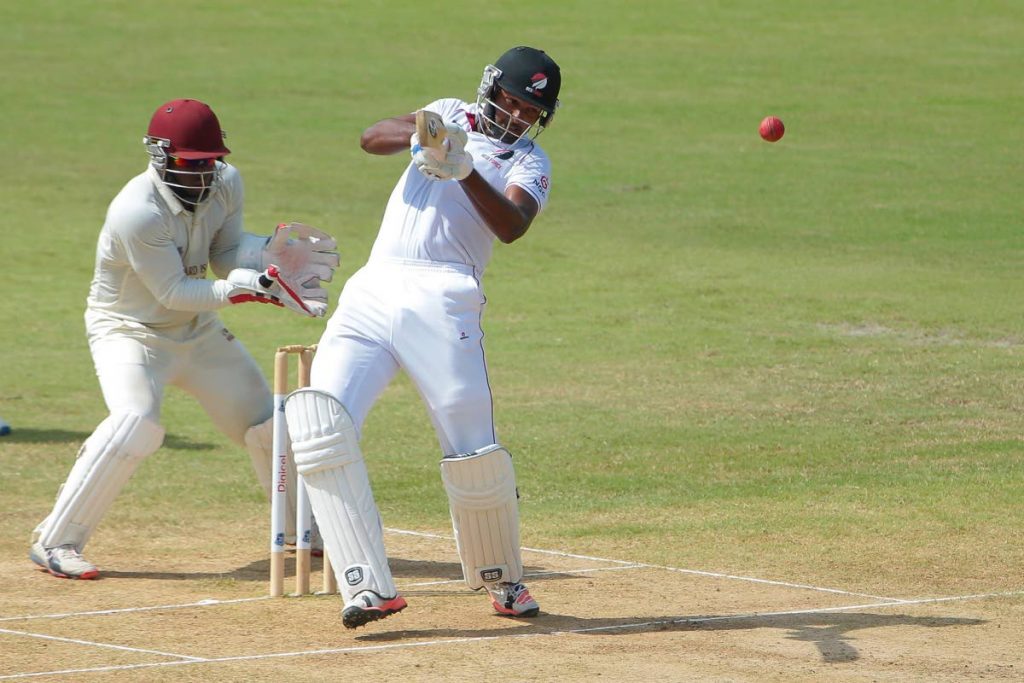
(448, 108)
(149, 248)
(533, 174)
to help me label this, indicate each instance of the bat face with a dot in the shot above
(430, 129)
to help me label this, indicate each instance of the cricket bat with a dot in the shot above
(430, 129)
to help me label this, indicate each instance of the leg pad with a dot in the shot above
(481, 489)
(106, 461)
(327, 455)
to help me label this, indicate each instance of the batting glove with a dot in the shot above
(456, 138)
(443, 164)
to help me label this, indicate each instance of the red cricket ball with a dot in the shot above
(772, 129)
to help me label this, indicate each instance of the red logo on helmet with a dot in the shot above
(538, 82)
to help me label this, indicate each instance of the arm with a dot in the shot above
(389, 136)
(149, 249)
(153, 256)
(507, 215)
(304, 255)
(160, 269)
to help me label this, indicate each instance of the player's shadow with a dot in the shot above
(448, 581)
(830, 632)
(259, 571)
(31, 435)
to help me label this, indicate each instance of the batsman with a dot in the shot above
(151, 318)
(478, 175)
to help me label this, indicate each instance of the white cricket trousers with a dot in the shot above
(422, 317)
(135, 365)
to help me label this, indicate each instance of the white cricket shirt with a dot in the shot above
(153, 255)
(430, 220)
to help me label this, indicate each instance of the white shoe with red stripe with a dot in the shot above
(368, 606)
(513, 600)
(64, 561)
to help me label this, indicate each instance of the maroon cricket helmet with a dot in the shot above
(190, 128)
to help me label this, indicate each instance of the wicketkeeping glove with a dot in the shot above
(302, 252)
(453, 161)
(272, 287)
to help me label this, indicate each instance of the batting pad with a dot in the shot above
(259, 442)
(106, 461)
(327, 455)
(482, 498)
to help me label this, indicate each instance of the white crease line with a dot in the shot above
(200, 603)
(274, 655)
(95, 644)
(455, 641)
(211, 601)
(695, 572)
(777, 583)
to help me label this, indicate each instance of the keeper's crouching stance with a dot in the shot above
(327, 455)
(106, 461)
(151, 317)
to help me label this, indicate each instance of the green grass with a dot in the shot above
(800, 359)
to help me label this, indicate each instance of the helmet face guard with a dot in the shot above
(490, 112)
(191, 180)
(526, 74)
(184, 143)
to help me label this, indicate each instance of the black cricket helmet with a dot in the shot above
(528, 74)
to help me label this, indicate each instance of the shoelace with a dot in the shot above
(66, 552)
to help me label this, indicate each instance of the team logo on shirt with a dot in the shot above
(498, 156)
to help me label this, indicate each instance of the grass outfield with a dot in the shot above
(795, 360)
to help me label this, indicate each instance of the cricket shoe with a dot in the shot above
(513, 600)
(64, 561)
(368, 606)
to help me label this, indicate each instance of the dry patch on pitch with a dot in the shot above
(162, 616)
